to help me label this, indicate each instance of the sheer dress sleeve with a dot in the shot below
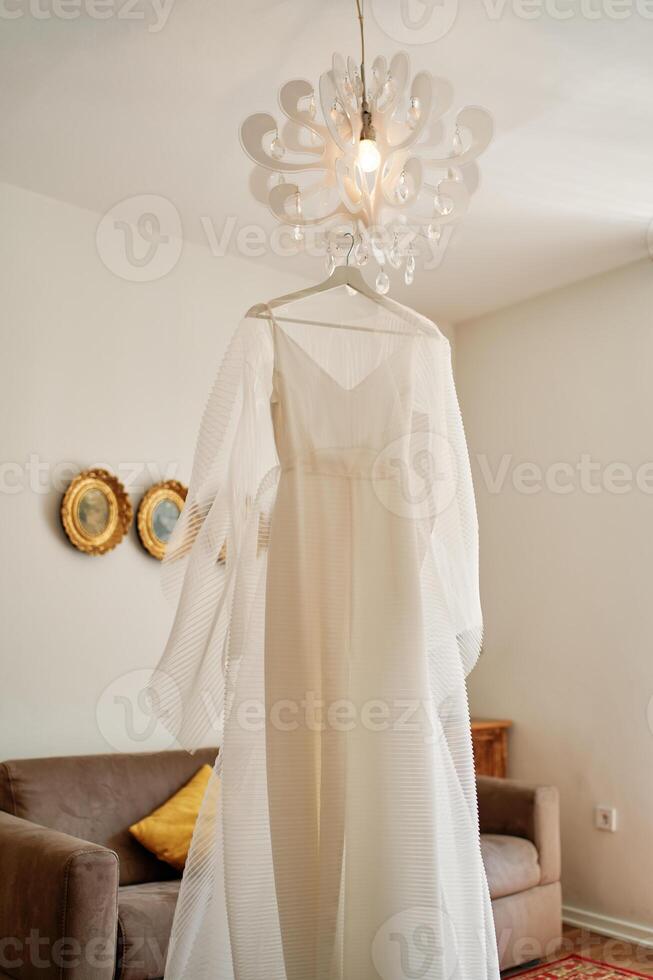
(218, 540)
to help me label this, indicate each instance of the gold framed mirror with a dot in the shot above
(96, 512)
(158, 512)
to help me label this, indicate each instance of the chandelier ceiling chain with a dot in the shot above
(370, 167)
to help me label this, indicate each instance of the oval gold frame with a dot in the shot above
(120, 512)
(169, 490)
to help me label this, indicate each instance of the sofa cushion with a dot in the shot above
(145, 914)
(97, 797)
(511, 864)
(168, 830)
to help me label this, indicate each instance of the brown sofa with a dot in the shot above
(80, 899)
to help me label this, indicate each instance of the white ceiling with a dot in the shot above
(95, 111)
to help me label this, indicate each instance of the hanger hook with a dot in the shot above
(348, 234)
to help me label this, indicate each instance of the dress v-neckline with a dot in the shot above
(326, 374)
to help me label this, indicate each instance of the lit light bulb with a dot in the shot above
(369, 157)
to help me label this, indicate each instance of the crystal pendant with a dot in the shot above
(336, 113)
(394, 255)
(277, 149)
(361, 254)
(402, 191)
(298, 233)
(414, 112)
(330, 263)
(441, 207)
(382, 282)
(457, 145)
(409, 274)
(433, 233)
(387, 92)
(298, 204)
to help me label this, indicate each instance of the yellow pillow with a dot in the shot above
(168, 830)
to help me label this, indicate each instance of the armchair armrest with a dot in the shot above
(58, 904)
(508, 806)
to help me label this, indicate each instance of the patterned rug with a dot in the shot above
(576, 968)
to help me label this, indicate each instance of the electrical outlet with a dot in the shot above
(605, 818)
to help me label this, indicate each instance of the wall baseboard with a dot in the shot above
(605, 925)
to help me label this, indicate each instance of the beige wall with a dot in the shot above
(567, 578)
(93, 369)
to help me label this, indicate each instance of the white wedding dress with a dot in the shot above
(327, 565)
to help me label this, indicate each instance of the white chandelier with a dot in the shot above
(367, 169)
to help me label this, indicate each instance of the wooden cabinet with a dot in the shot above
(490, 741)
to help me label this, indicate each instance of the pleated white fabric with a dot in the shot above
(327, 570)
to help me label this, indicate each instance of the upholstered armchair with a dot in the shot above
(520, 841)
(80, 899)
